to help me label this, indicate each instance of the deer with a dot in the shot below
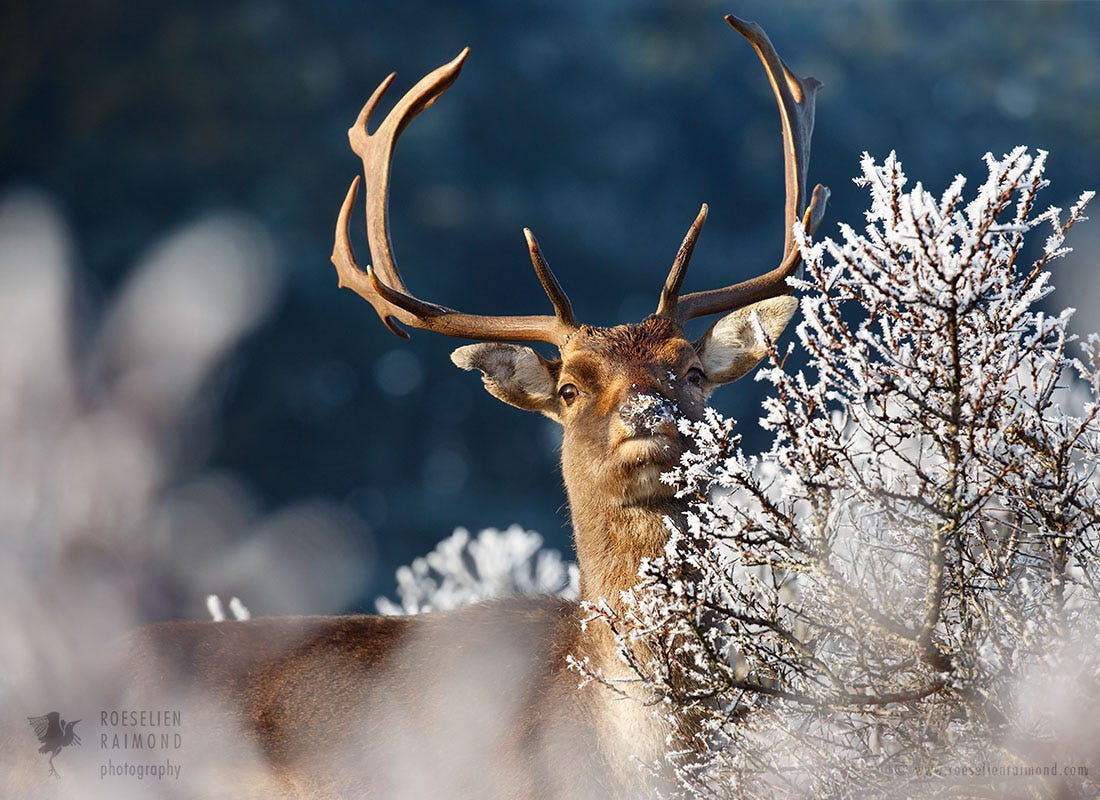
(480, 701)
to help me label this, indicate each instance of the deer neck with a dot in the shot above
(612, 539)
(611, 542)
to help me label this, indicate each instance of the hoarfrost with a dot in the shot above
(461, 570)
(878, 601)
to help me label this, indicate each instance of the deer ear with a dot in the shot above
(517, 375)
(730, 348)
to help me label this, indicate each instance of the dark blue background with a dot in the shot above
(601, 125)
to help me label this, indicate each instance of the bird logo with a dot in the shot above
(54, 733)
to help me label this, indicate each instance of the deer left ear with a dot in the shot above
(515, 374)
(731, 348)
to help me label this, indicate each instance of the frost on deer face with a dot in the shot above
(652, 443)
(649, 414)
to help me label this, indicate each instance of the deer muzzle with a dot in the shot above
(649, 415)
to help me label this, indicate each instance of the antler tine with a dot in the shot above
(381, 285)
(670, 295)
(376, 151)
(563, 309)
(348, 274)
(795, 97)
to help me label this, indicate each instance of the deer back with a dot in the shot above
(475, 702)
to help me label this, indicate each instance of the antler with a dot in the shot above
(381, 285)
(796, 111)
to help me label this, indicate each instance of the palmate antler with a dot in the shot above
(381, 284)
(795, 97)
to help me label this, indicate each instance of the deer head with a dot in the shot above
(618, 391)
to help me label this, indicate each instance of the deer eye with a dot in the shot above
(568, 393)
(694, 376)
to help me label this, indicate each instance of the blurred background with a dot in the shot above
(189, 405)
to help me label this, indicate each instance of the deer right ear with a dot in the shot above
(730, 348)
(517, 375)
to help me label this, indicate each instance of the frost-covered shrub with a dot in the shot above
(237, 609)
(899, 597)
(496, 563)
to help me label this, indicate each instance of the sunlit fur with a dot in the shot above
(611, 471)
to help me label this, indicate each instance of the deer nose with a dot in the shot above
(647, 414)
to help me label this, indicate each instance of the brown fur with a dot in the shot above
(381, 707)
